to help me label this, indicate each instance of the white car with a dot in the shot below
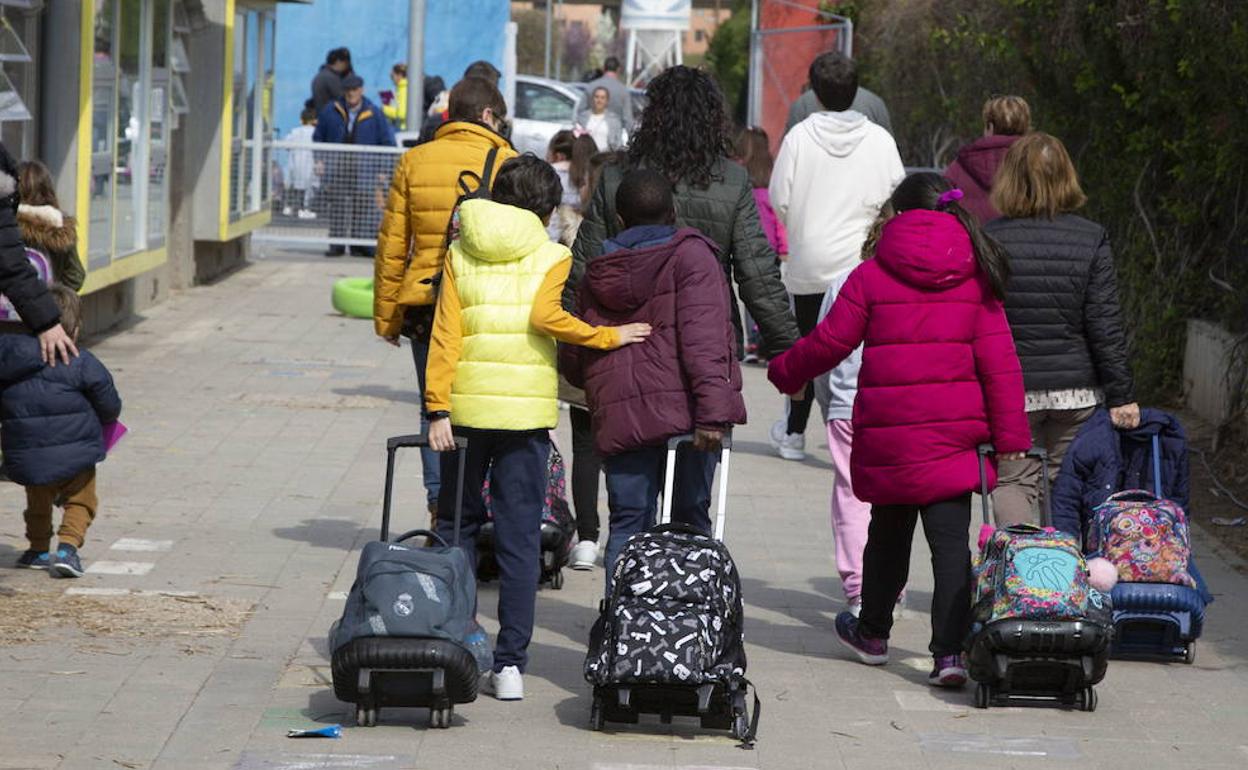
(542, 108)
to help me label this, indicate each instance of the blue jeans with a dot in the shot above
(515, 462)
(430, 469)
(634, 481)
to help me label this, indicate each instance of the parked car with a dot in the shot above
(542, 107)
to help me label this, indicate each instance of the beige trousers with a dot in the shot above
(1016, 499)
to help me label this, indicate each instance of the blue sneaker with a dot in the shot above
(66, 563)
(33, 559)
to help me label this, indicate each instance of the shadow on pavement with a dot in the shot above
(324, 533)
(398, 395)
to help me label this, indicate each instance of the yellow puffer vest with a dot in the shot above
(506, 378)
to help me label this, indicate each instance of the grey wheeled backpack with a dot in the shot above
(402, 639)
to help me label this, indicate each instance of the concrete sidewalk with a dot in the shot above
(228, 533)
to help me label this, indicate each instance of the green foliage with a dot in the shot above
(728, 57)
(1147, 94)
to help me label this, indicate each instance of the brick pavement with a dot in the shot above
(252, 477)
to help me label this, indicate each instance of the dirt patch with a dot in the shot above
(33, 616)
(1227, 468)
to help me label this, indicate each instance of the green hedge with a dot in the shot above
(1151, 97)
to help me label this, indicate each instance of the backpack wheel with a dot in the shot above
(441, 718)
(1088, 699)
(366, 717)
(983, 696)
(556, 580)
(597, 718)
(1189, 653)
(740, 727)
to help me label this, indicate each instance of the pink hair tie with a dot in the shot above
(947, 197)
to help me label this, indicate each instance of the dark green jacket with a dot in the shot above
(724, 212)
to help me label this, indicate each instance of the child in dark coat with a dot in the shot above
(52, 434)
(683, 379)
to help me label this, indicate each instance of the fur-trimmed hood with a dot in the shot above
(47, 228)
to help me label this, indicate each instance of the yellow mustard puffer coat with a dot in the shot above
(423, 192)
(506, 378)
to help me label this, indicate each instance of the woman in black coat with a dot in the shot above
(18, 279)
(1062, 302)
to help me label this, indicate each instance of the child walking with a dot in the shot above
(684, 379)
(51, 424)
(754, 152)
(302, 172)
(939, 376)
(491, 379)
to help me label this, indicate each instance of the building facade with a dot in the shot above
(154, 117)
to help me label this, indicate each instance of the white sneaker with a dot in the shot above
(307, 214)
(791, 446)
(288, 212)
(584, 554)
(507, 684)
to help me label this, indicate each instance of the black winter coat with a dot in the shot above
(725, 212)
(18, 279)
(51, 418)
(1062, 302)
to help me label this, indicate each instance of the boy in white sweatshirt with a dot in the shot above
(834, 170)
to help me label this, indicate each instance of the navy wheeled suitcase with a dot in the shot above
(1016, 660)
(401, 641)
(669, 640)
(1157, 620)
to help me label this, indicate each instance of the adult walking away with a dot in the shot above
(865, 101)
(394, 103)
(621, 99)
(1006, 118)
(18, 279)
(1062, 303)
(412, 241)
(684, 135)
(602, 125)
(327, 85)
(352, 183)
(833, 172)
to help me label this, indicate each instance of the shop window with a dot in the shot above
(18, 32)
(130, 129)
(252, 112)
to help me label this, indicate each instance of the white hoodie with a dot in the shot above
(833, 172)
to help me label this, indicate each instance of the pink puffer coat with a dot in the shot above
(939, 372)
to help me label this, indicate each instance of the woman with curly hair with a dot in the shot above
(685, 135)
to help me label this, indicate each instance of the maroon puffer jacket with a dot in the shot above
(973, 171)
(685, 375)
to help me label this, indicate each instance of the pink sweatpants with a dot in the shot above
(850, 516)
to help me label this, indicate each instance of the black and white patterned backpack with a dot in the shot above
(674, 615)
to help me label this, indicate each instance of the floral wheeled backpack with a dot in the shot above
(1032, 573)
(1145, 536)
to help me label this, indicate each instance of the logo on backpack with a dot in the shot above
(403, 605)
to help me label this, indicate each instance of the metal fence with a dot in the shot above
(331, 194)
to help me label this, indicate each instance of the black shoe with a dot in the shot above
(362, 251)
(335, 251)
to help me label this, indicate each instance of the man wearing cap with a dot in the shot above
(354, 182)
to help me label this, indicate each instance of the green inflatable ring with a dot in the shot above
(354, 297)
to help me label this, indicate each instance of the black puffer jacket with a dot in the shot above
(725, 212)
(1062, 302)
(18, 279)
(52, 416)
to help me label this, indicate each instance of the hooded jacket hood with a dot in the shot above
(927, 249)
(838, 133)
(982, 157)
(19, 358)
(46, 227)
(624, 279)
(495, 232)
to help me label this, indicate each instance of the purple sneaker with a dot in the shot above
(947, 671)
(873, 652)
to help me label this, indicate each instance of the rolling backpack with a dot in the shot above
(1143, 534)
(669, 639)
(1039, 632)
